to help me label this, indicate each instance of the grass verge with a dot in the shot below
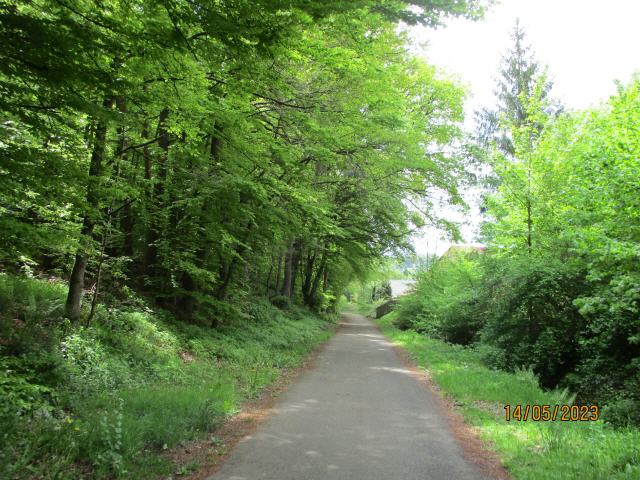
(106, 400)
(529, 450)
(362, 307)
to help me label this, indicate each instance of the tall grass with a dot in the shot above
(529, 450)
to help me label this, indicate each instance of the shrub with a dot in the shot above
(20, 393)
(30, 314)
(622, 412)
(530, 314)
(445, 303)
(281, 302)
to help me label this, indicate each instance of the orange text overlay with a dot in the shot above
(546, 413)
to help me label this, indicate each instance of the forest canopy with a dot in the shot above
(203, 151)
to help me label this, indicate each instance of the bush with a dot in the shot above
(445, 303)
(623, 412)
(30, 314)
(281, 301)
(20, 393)
(529, 449)
(530, 315)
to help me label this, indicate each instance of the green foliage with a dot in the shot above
(523, 102)
(558, 290)
(281, 301)
(446, 300)
(231, 148)
(529, 315)
(586, 228)
(198, 155)
(20, 394)
(30, 313)
(381, 291)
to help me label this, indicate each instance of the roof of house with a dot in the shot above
(462, 249)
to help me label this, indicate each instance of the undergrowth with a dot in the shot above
(105, 400)
(530, 450)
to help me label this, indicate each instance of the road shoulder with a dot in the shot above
(474, 448)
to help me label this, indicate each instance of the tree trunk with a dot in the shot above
(291, 260)
(153, 234)
(268, 282)
(287, 284)
(226, 272)
(308, 278)
(325, 279)
(295, 264)
(127, 229)
(316, 281)
(76, 286)
(76, 281)
(146, 157)
(126, 220)
(187, 302)
(216, 143)
(278, 272)
(529, 226)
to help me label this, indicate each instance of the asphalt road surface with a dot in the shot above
(359, 414)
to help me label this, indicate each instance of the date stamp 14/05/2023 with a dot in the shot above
(551, 413)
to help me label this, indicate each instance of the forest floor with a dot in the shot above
(359, 414)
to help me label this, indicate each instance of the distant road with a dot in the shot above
(358, 415)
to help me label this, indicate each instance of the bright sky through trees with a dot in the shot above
(587, 46)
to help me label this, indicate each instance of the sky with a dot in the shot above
(586, 44)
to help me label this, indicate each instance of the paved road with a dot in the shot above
(358, 415)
